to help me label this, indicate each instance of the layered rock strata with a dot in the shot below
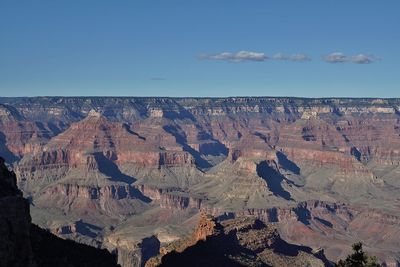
(107, 160)
(244, 241)
(24, 244)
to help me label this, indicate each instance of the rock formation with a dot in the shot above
(116, 171)
(15, 222)
(244, 241)
(24, 244)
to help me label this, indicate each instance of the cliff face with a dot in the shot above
(171, 198)
(15, 222)
(148, 133)
(24, 244)
(316, 223)
(331, 167)
(49, 250)
(244, 241)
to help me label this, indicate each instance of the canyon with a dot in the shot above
(24, 244)
(134, 175)
(244, 241)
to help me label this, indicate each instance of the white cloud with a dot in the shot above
(364, 59)
(236, 57)
(295, 57)
(336, 57)
(300, 57)
(280, 56)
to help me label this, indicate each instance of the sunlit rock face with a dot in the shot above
(243, 241)
(156, 162)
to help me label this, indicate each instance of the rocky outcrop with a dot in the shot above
(171, 198)
(15, 222)
(207, 226)
(301, 212)
(329, 225)
(133, 253)
(96, 144)
(244, 241)
(24, 244)
(103, 193)
(113, 200)
(139, 255)
(49, 250)
(180, 202)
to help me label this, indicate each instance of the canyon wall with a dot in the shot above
(24, 244)
(327, 168)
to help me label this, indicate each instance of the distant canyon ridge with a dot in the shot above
(132, 174)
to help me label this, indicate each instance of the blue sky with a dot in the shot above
(193, 48)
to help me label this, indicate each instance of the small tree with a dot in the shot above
(359, 258)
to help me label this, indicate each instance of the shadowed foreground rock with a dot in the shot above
(243, 241)
(15, 222)
(24, 244)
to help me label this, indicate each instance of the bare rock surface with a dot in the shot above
(24, 244)
(101, 170)
(244, 241)
(15, 222)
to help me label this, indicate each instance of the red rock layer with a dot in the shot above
(171, 198)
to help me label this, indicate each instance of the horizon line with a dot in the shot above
(201, 97)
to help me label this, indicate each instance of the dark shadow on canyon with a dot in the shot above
(87, 229)
(274, 180)
(5, 152)
(283, 247)
(183, 114)
(50, 250)
(287, 164)
(214, 149)
(150, 247)
(181, 139)
(215, 251)
(265, 138)
(110, 169)
(303, 214)
(222, 249)
(324, 222)
(356, 153)
(129, 130)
